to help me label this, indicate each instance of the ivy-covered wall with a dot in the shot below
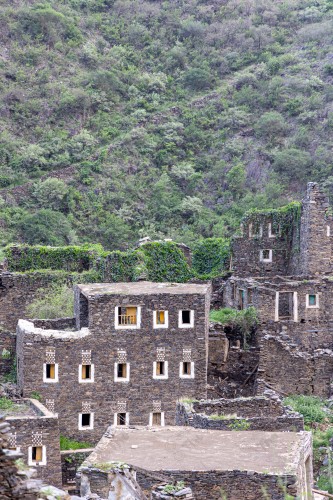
(211, 257)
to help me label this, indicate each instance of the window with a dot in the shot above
(160, 370)
(50, 372)
(121, 419)
(86, 421)
(270, 231)
(86, 374)
(128, 317)
(255, 230)
(160, 319)
(266, 255)
(186, 369)
(156, 419)
(286, 306)
(312, 301)
(186, 319)
(36, 455)
(121, 372)
(241, 297)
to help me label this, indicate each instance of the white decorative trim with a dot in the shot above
(270, 233)
(277, 300)
(308, 306)
(51, 380)
(186, 325)
(270, 258)
(166, 320)
(31, 462)
(328, 231)
(87, 380)
(115, 419)
(121, 379)
(160, 377)
(181, 375)
(128, 327)
(295, 307)
(151, 418)
(86, 427)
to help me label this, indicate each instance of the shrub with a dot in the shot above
(311, 407)
(46, 227)
(198, 79)
(70, 444)
(293, 163)
(270, 125)
(211, 256)
(243, 321)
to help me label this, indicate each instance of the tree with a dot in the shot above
(293, 163)
(51, 193)
(46, 227)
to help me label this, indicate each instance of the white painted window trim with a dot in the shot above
(161, 377)
(121, 379)
(308, 306)
(181, 375)
(33, 463)
(186, 325)
(166, 319)
(328, 231)
(128, 327)
(92, 375)
(56, 376)
(270, 233)
(270, 258)
(257, 235)
(85, 427)
(151, 419)
(295, 311)
(115, 419)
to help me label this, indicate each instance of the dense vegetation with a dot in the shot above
(175, 116)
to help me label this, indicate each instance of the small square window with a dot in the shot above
(266, 255)
(160, 319)
(121, 418)
(312, 301)
(86, 421)
(121, 372)
(86, 373)
(186, 369)
(186, 318)
(36, 455)
(50, 372)
(160, 370)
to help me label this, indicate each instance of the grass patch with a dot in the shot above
(54, 302)
(222, 417)
(70, 444)
(6, 404)
(313, 409)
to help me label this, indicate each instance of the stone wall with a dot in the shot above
(7, 351)
(288, 370)
(43, 429)
(235, 415)
(70, 462)
(104, 345)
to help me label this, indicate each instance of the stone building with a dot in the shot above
(35, 435)
(137, 348)
(213, 464)
(282, 264)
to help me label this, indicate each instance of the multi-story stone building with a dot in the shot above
(137, 349)
(282, 265)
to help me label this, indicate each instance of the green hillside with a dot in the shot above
(170, 118)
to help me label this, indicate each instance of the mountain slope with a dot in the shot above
(176, 116)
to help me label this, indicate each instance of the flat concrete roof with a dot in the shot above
(186, 448)
(143, 288)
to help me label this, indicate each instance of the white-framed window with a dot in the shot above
(50, 373)
(36, 455)
(186, 369)
(127, 317)
(270, 231)
(160, 370)
(156, 419)
(120, 419)
(266, 255)
(86, 421)
(186, 318)
(312, 301)
(160, 319)
(121, 372)
(86, 374)
(256, 231)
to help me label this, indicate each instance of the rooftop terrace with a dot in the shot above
(143, 288)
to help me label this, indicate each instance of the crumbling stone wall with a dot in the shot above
(288, 370)
(70, 462)
(239, 414)
(41, 428)
(7, 351)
